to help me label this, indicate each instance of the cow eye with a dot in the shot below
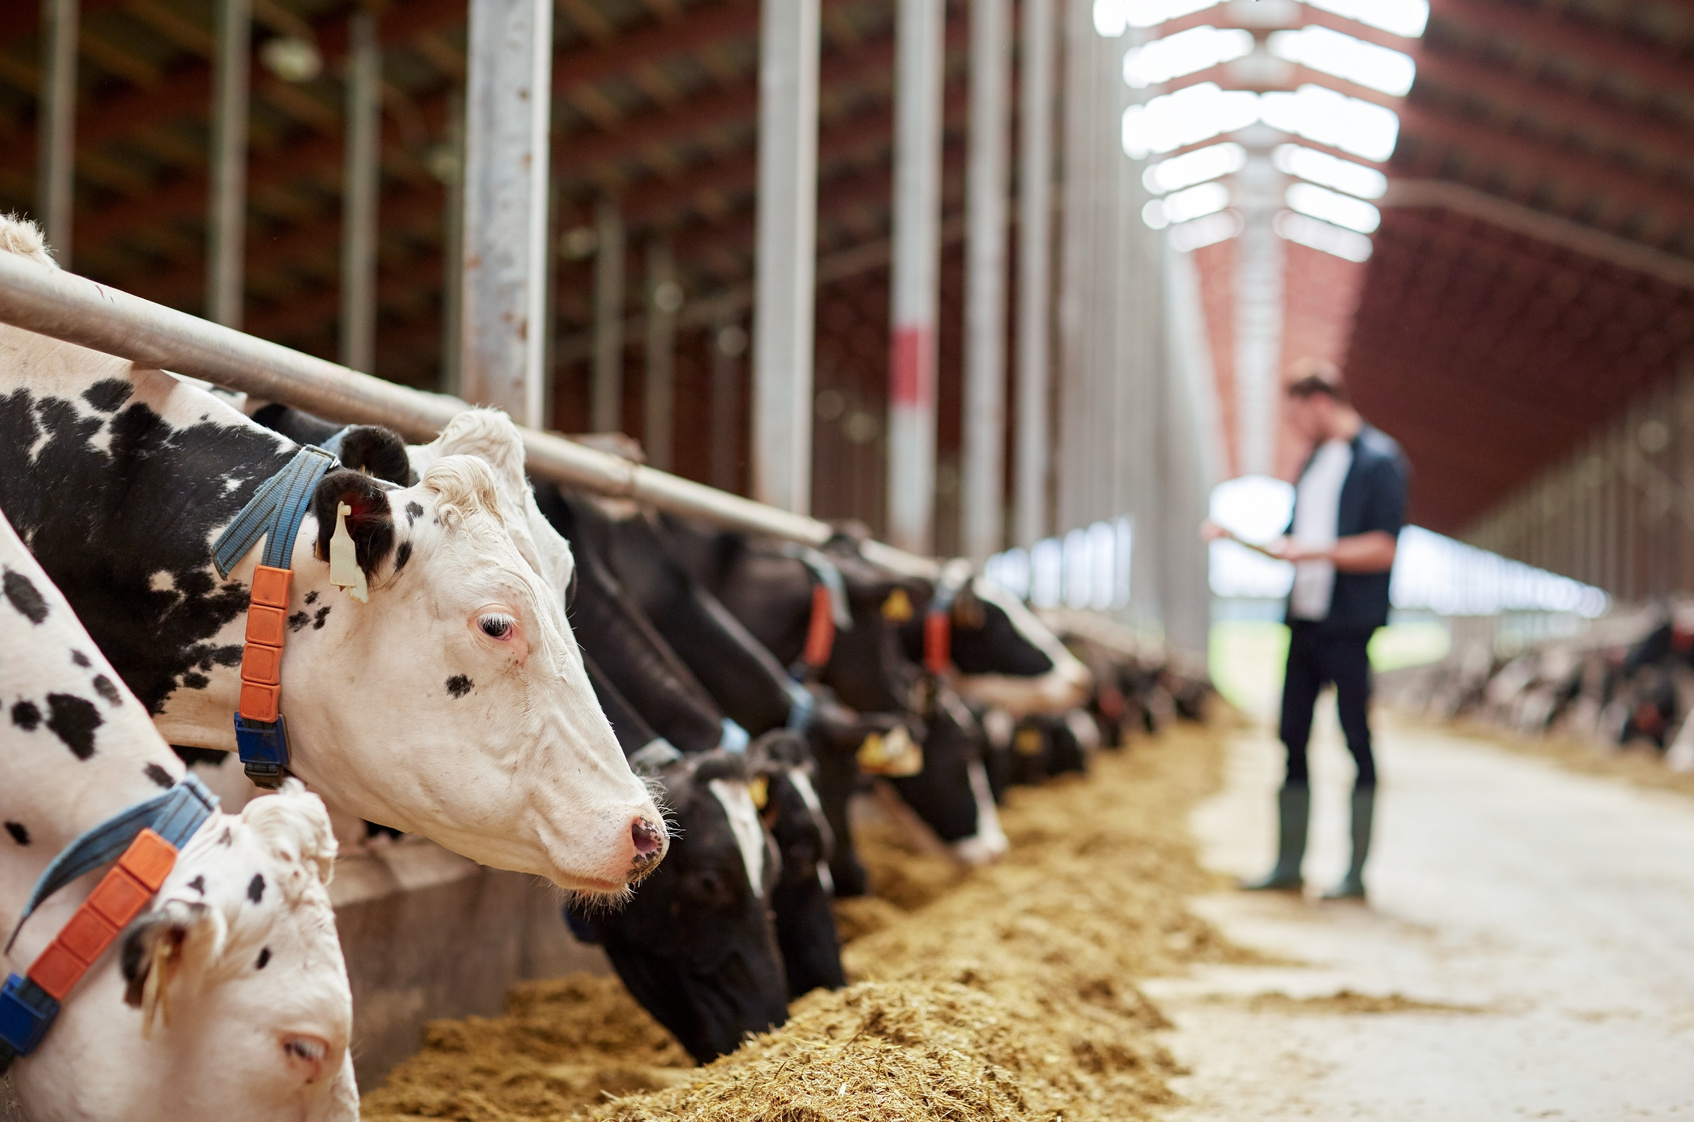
(496, 626)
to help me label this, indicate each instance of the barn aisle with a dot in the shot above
(1528, 953)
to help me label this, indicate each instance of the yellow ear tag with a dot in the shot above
(1029, 742)
(898, 607)
(344, 571)
(760, 788)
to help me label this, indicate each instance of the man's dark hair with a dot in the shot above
(1310, 377)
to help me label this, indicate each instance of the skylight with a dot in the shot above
(1187, 116)
(1196, 202)
(1186, 52)
(1113, 17)
(1318, 167)
(1321, 236)
(1211, 229)
(1196, 167)
(1354, 60)
(1316, 113)
(1398, 17)
(1332, 206)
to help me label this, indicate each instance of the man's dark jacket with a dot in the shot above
(1373, 497)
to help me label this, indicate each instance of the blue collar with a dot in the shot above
(276, 510)
(26, 1009)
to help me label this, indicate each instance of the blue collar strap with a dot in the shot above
(276, 510)
(144, 840)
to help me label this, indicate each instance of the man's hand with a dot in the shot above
(1287, 549)
(1210, 531)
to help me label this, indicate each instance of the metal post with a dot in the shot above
(729, 343)
(359, 194)
(985, 282)
(453, 250)
(606, 406)
(506, 163)
(1035, 172)
(917, 272)
(786, 254)
(56, 130)
(664, 298)
(226, 225)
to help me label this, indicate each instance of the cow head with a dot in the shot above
(459, 682)
(784, 787)
(951, 794)
(228, 998)
(695, 945)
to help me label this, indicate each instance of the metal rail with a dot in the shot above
(64, 306)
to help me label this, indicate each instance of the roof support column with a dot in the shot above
(226, 225)
(664, 298)
(917, 273)
(56, 158)
(606, 394)
(359, 194)
(453, 251)
(984, 425)
(785, 268)
(1035, 258)
(507, 122)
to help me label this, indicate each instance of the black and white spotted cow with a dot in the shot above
(234, 961)
(453, 704)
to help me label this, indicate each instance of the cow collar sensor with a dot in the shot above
(275, 511)
(145, 839)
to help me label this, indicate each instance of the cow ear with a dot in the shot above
(377, 451)
(159, 946)
(370, 520)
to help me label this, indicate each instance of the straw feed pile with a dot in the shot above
(1007, 994)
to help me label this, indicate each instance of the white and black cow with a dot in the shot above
(453, 704)
(227, 997)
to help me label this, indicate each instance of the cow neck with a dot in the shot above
(275, 512)
(145, 839)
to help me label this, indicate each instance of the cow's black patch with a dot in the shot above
(160, 776)
(264, 958)
(211, 757)
(194, 680)
(318, 619)
(73, 720)
(198, 884)
(26, 715)
(108, 394)
(459, 685)
(298, 620)
(105, 522)
(104, 687)
(402, 555)
(80, 659)
(413, 509)
(312, 596)
(21, 591)
(256, 888)
(19, 832)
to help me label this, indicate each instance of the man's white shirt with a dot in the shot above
(1317, 511)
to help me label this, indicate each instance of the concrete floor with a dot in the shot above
(1544, 920)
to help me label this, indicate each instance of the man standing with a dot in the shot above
(1348, 509)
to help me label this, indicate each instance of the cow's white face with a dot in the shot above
(238, 965)
(454, 703)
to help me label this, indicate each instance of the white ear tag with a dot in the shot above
(344, 571)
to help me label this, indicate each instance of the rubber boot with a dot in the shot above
(1293, 807)
(1352, 886)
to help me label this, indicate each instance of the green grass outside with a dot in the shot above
(1247, 657)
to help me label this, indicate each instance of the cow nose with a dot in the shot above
(649, 841)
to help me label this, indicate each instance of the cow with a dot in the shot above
(227, 996)
(696, 945)
(452, 704)
(785, 791)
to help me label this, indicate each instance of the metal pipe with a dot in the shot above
(1035, 255)
(64, 306)
(56, 157)
(984, 424)
(915, 287)
(785, 253)
(507, 156)
(359, 193)
(226, 225)
(606, 404)
(664, 299)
